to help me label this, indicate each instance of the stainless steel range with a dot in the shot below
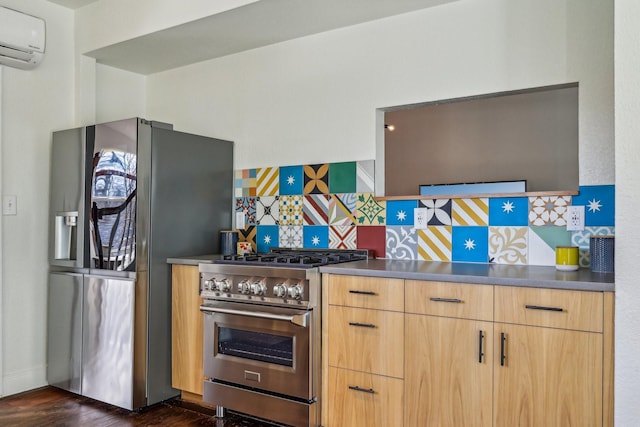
(262, 337)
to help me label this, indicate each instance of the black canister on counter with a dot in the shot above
(602, 253)
(228, 242)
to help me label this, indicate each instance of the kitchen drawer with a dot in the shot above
(360, 399)
(366, 340)
(555, 308)
(366, 292)
(449, 299)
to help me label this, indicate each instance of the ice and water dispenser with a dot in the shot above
(66, 229)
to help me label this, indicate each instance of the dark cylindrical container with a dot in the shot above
(602, 252)
(228, 242)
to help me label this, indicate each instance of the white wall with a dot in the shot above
(627, 127)
(33, 104)
(314, 99)
(120, 94)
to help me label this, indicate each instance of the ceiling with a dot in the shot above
(255, 25)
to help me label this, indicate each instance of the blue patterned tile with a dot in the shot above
(267, 237)
(582, 239)
(599, 204)
(247, 205)
(470, 244)
(400, 212)
(509, 211)
(291, 180)
(315, 236)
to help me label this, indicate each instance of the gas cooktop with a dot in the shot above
(296, 258)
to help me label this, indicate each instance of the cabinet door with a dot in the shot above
(449, 366)
(547, 377)
(358, 399)
(186, 330)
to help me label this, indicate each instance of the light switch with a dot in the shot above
(240, 220)
(9, 205)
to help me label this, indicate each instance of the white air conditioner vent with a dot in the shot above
(22, 39)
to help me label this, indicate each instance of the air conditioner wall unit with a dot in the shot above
(22, 39)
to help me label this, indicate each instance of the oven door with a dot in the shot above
(260, 347)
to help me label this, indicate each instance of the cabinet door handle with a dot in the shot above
(363, 390)
(351, 291)
(541, 307)
(455, 300)
(503, 341)
(480, 346)
(362, 325)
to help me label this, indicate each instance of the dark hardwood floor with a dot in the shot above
(49, 406)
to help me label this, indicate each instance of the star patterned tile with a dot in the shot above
(316, 179)
(509, 211)
(438, 211)
(291, 210)
(434, 243)
(470, 244)
(342, 177)
(342, 209)
(599, 204)
(343, 237)
(369, 210)
(548, 210)
(508, 245)
(268, 210)
(247, 205)
(291, 236)
(315, 236)
(316, 209)
(470, 212)
(400, 212)
(268, 181)
(267, 237)
(291, 180)
(402, 242)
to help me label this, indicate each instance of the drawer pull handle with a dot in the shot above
(362, 292)
(364, 390)
(480, 345)
(362, 325)
(436, 299)
(541, 307)
(503, 341)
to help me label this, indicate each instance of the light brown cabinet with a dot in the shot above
(363, 351)
(473, 355)
(549, 367)
(186, 332)
(449, 354)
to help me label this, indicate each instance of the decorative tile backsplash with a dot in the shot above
(332, 205)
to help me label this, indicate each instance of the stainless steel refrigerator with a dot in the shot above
(125, 196)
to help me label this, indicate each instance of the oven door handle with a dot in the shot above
(296, 319)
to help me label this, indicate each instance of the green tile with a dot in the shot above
(342, 177)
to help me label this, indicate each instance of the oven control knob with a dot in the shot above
(296, 292)
(244, 287)
(280, 290)
(207, 285)
(258, 288)
(222, 285)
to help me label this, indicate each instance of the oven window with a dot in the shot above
(270, 348)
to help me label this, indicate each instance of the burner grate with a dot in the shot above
(299, 258)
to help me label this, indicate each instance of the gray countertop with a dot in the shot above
(484, 274)
(487, 274)
(194, 260)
